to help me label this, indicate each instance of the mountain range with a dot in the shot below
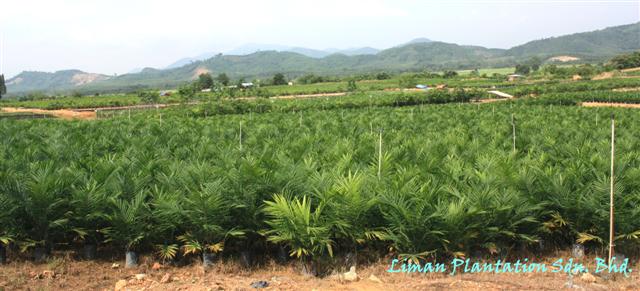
(251, 48)
(262, 61)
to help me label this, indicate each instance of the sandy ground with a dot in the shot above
(61, 113)
(605, 75)
(626, 89)
(491, 100)
(630, 70)
(605, 104)
(67, 274)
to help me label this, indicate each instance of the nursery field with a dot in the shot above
(325, 183)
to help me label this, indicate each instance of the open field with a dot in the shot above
(322, 181)
(81, 275)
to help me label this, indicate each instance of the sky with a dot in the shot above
(116, 36)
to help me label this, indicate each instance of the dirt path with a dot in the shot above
(60, 113)
(67, 274)
(491, 100)
(302, 96)
(605, 104)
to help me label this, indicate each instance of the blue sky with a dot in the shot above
(116, 36)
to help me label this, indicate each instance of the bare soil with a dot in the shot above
(61, 113)
(626, 89)
(605, 75)
(68, 274)
(491, 100)
(630, 70)
(605, 104)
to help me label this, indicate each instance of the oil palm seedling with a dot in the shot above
(166, 214)
(411, 223)
(307, 233)
(352, 210)
(88, 204)
(128, 224)
(9, 231)
(42, 196)
(207, 220)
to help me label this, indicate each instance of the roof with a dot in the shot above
(500, 94)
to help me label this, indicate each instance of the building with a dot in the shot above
(514, 77)
(500, 94)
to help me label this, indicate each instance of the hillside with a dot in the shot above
(591, 45)
(48, 82)
(419, 54)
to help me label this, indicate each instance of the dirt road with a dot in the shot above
(60, 113)
(67, 274)
(605, 104)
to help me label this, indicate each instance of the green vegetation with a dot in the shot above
(279, 79)
(589, 47)
(627, 61)
(416, 174)
(307, 176)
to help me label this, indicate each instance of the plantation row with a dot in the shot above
(446, 182)
(577, 86)
(352, 101)
(575, 98)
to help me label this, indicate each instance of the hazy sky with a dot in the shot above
(116, 36)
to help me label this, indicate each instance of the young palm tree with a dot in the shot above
(166, 216)
(208, 224)
(9, 231)
(128, 224)
(44, 207)
(88, 215)
(352, 209)
(306, 233)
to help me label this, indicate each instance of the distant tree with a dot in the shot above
(383, 76)
(474, 73)
(205, 81)
(626, 61)
(76, 94)
(310, 79)
(149, 97)
(187, 92)
(522, 69)
(408, 81)
(239, 83)
(279, 79)
(551, 69)
(533, 63)
(351, 85)
(449, 74)
(3, 87)
(223, 79)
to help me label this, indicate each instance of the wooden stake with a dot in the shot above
(513, 126)
(380, 155)
(240, 135)
(613, 150)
